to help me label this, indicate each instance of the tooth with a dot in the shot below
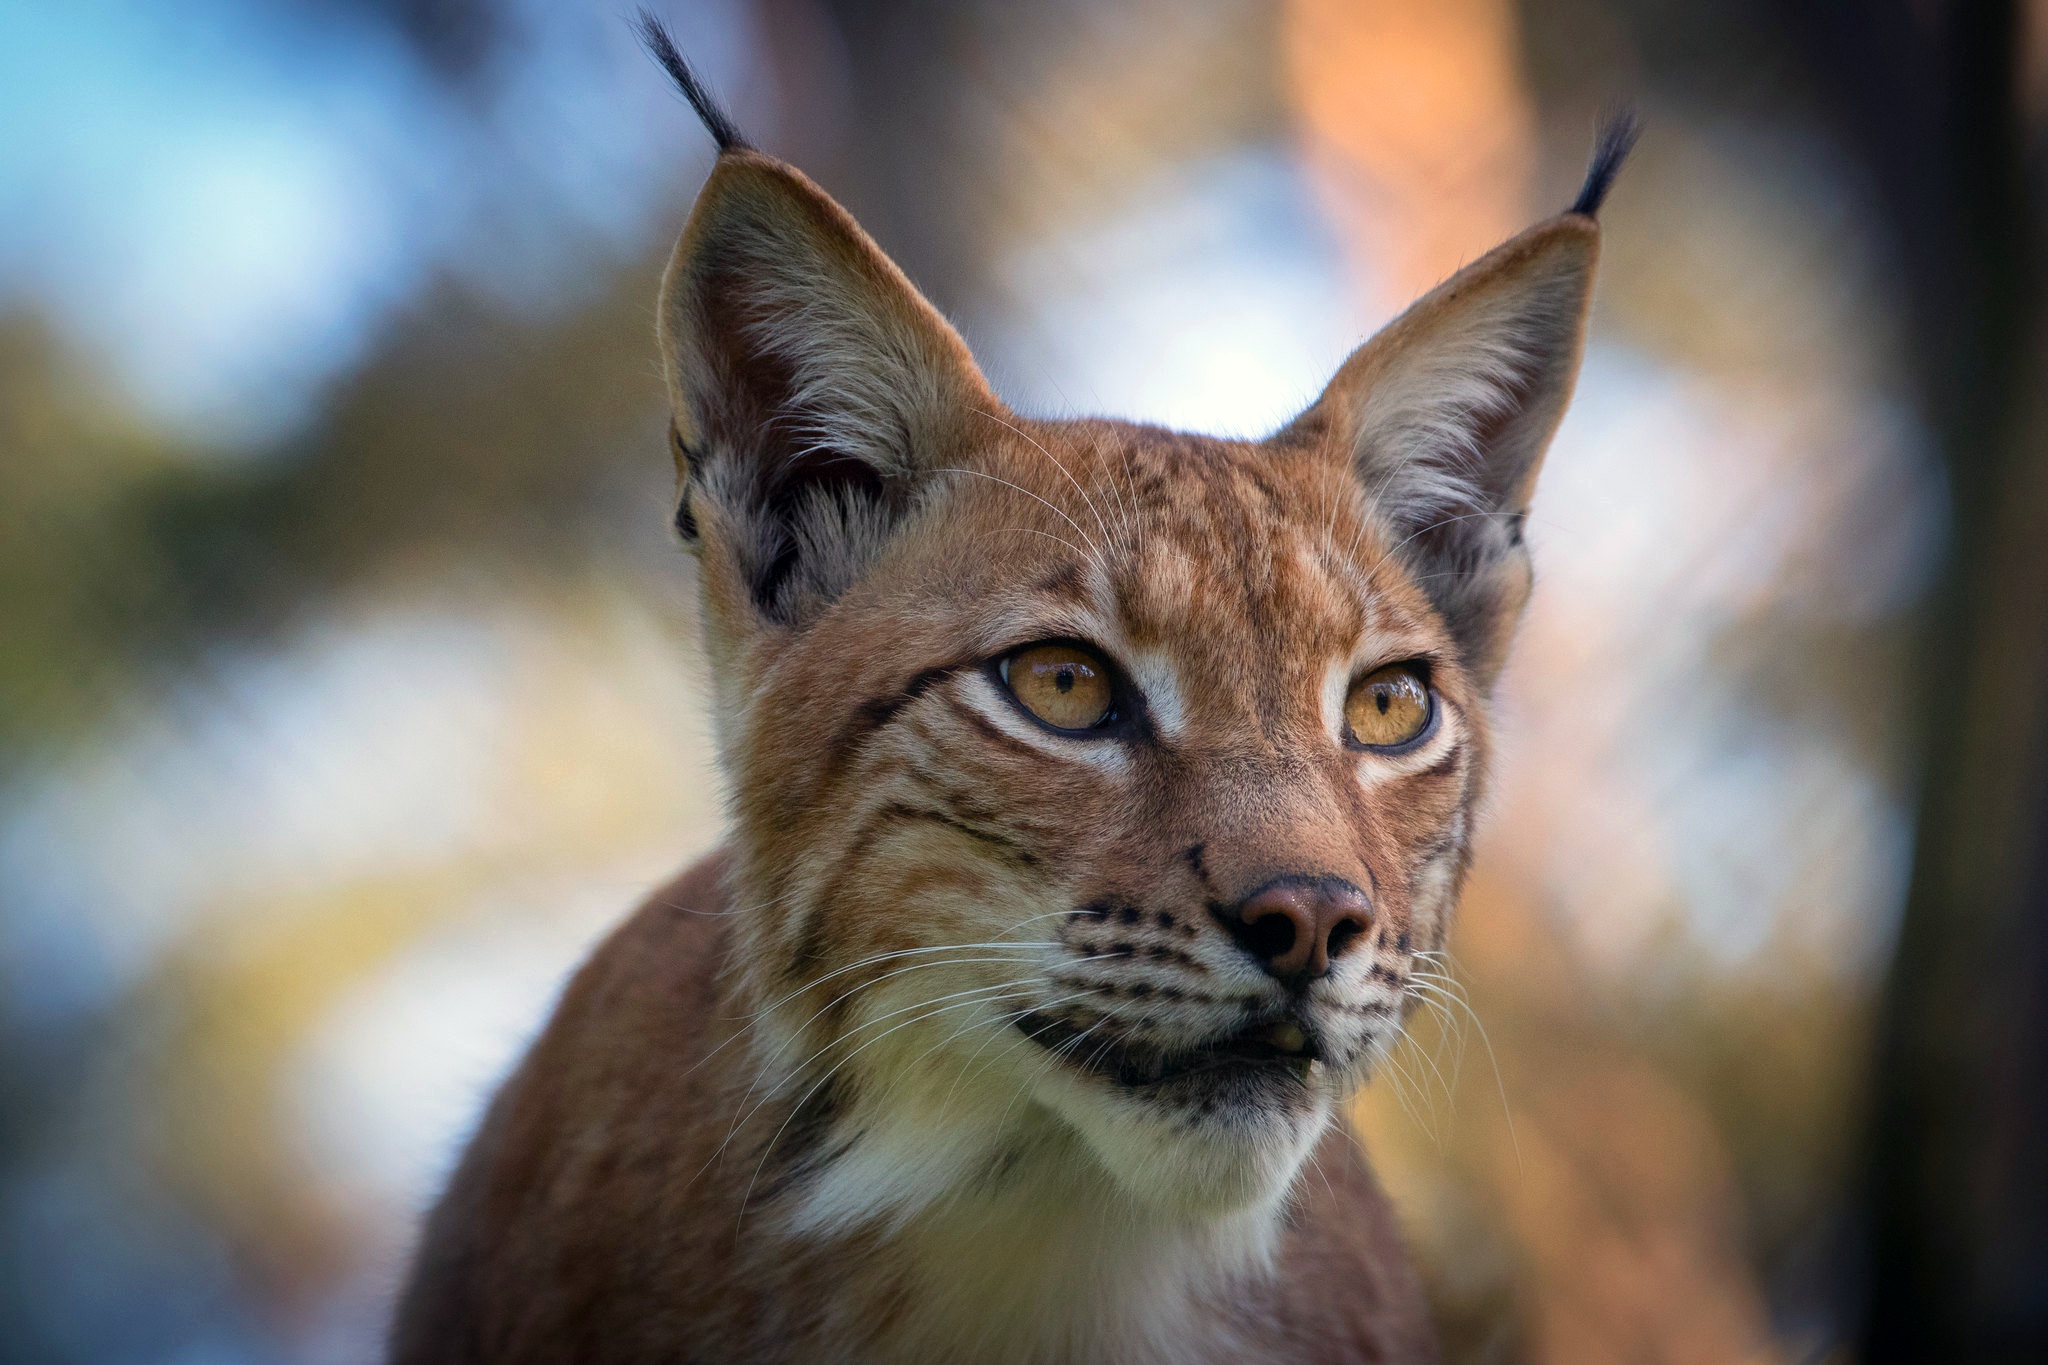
(1287, 1037)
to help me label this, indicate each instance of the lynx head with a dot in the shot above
(1097, 788)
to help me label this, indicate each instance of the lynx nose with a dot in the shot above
(1295, 926)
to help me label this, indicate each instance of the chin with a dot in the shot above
(1223, 1141)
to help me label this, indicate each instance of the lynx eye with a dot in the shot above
(1064, 685)
(1388, 708)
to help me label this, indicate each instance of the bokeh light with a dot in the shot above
(349, 679)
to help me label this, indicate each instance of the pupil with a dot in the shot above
(1064, 679)
(1383, 700)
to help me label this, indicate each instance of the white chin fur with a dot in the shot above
(1225, 1162)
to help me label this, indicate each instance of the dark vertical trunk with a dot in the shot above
(1956, 1192)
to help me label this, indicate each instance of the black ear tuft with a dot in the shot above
(663, 49)
(1618, 133)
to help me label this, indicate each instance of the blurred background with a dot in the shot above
(349, 683)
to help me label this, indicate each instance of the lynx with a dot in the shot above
(1096, 790)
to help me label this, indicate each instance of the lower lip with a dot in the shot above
(1217, 1067)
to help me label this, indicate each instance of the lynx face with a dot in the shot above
(1096, 787)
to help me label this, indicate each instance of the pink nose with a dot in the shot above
(1297, 926)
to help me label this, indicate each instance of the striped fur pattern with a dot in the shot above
(933, 1062)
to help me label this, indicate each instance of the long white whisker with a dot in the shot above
(1094, 553)
(835, 1070)
(1057, 1053)
(1424, 530)
(768, 1063)
(1058, 464)
(1041, 1007)
(1450, 1030)
(1033, 531)
(1123, 451)
(1450, 1096)
(1493, 1060)
(759, 1015)
(804, 1065)
(1396, 1070)
(741, 1121)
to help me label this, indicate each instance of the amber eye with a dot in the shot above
(1388, 708)
(1065, 686)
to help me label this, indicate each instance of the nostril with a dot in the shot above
(1268, 936)
(1343, 934)
(1296, 926)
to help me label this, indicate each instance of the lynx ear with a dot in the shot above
(814, 389)
(1445, 416)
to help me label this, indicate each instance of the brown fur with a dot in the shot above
(872, 1084)
(548, 1251)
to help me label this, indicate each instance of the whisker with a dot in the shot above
(1094, 553)
(1033, 531)
(836, 1067)
(804, 1065)
(1040, 1007)
(1500, 1085)
(742, 1120)
(1424, 530)
(1399, 1076)
(1450, 1096)
(1058, 464)
(1056, 1053)
(1130, 484)
(1450, 1030)
(768, 1063)
(762, 1013)
(757, 1016)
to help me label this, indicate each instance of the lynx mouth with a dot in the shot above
(1276, 1048)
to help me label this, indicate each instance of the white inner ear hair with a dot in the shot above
(867, 383)
(1420, 429)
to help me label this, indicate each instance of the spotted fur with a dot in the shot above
(927, 1064)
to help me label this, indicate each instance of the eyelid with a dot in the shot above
(1424, 664)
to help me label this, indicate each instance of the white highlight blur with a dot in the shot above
(1217, 303)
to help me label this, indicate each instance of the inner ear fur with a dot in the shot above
(814, 390)
(1445, 416)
